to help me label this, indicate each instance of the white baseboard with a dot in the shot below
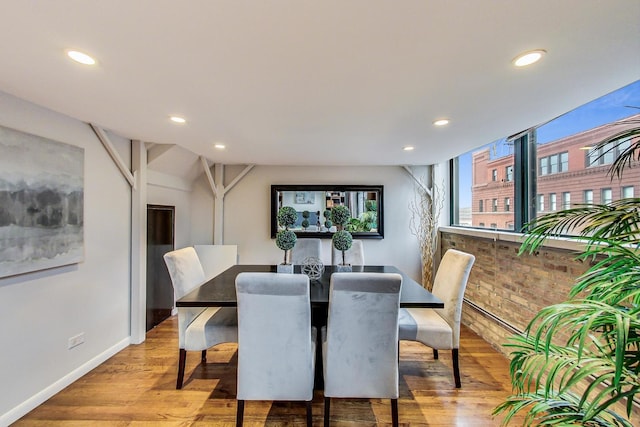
(37, 399)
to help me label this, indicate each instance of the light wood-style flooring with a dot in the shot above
(136, 387)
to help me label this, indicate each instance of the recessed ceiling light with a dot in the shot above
(177, 119)
(219, 146)
(441, 122)
(528, 58)
(81, 57)
(408, 148)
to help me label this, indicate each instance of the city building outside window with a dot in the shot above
(566, 163)
(509, 173)
(540, 204)
(587, 197)
(494, 175)
(606, 196)
(566, 200)
(481, 205)
(494, 205)
(627, 192)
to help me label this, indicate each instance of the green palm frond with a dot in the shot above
(598, 354)
(627, 156)
(617, 221)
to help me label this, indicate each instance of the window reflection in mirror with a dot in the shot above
(313, 204)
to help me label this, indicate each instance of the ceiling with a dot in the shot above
(329, 82)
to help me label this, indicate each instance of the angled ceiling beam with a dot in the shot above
(207, 172)
(108, 145)
(418, 181)
(238, 178)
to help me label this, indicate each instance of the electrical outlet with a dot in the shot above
(76, 340)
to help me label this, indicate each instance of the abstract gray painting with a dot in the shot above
(41, 203)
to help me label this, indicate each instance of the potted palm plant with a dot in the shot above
(285, 238)
(578, 362)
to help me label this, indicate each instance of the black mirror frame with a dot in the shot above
(275, 189)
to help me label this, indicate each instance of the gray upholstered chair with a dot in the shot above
(276, 343)
(305, 248)
(360, 341)
(440, 328)
(354, 256)
(198, 327)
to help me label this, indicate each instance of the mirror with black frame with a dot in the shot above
(314, 202)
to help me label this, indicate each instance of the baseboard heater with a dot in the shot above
(494, 318)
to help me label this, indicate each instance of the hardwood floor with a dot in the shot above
(136, 387)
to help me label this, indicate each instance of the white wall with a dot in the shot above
(42, 310)
(247, 213)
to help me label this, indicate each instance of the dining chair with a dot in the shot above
(276, 343)
(354, 256)
(199, 328)
(440, 328)
(360, 341)
(305, 248)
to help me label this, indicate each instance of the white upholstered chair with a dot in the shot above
(276, 343)
(354, 256)
(360, 341)
(305, 248)
(198, 327)
(440, 328)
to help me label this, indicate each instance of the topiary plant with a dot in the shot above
(342, 241)
(340, 216)
(286, 240)
(287, 217)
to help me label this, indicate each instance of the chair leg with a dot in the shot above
(435, 354)
(182, 358)
(456, 367)
(327, 409)
(240, 413)
(309, 415)
(203, 358)
(394, 412)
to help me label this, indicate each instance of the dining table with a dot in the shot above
(220, 291)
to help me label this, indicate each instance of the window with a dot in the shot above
(587, 197)
(494, 175)
(627, 192)
(606, 196)
(566, 200)
(494, 205)
(494, 225)
(535, 163)
(554, 163)
(509, 173)
(481, 205)
(481, 224)
(606, 154)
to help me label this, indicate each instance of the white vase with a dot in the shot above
(343, 268)
(284, 268)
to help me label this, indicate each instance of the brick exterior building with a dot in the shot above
(567, 174)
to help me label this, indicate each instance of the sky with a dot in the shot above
(614, 106)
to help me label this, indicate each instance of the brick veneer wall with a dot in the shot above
(507, 289)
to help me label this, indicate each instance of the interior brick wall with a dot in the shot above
(510, 288)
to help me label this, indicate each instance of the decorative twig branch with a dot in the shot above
(425, 215)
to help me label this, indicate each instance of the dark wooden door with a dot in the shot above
(160, 240)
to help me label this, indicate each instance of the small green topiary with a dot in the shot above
(286, 240)
(328, 224)
(305, 223)
(342, 241)
(287, 216)
(340, 215)
(305, 214)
